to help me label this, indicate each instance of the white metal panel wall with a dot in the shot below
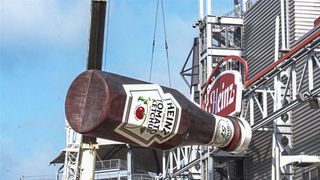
(258, 161)
(302, 14)
(259, 30)
(259, 33)
(306, 128)
(306, 121)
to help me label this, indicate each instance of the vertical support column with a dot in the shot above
(285, 135)
(95, 53)
(210, 166)
(201, 9)
(237, 10)
(287, 24)
(244, 6)
(208, 7)
(283, 24)
(226, 40)
(275, 168)
(164, 172)
(251, 110)
(72, 155)
(195, 81)
(129, 162)
(178, 157)
(170, 162)
(282, 133)
(273, 164)
(277, 163)
(265, 103)
(192, 94)
(203, 164)
(310, 71)
(97, 24)
(209, 39)
(294, 81)
(276, 41)
(88, 161)
(209, 45)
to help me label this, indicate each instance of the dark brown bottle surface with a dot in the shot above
(109, 106)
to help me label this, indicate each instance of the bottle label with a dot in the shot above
(223, 133)
(150, 115)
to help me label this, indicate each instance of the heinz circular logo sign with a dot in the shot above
(224, 94)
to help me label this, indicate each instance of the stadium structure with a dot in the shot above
(274, 45)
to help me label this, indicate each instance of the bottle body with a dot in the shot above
(114, 107)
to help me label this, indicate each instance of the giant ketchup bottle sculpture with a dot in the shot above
(106, 105)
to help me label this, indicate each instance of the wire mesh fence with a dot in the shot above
(39, 177)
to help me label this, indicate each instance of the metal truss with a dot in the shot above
(284, 86)
(264, 87)
(71, 170)
(268, 100)
(182, 162)
(185, 162)
(219, 36)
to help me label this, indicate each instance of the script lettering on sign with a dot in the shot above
(225, 94)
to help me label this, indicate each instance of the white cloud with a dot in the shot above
(15, 164)
(43, 19)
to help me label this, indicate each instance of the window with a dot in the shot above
(314, 174)
(311, 174)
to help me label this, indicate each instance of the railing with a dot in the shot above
(233, 13)
(141, 177)
(112, 164)
(238, 11)
(40, 177)
(105, 167)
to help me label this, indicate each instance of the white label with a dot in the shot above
(150, 115)
(223, 133)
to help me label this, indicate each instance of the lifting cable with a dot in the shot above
(106, 36)
(154, 41)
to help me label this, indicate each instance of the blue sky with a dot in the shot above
(43, 47)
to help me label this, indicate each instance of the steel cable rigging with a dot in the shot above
(106, 36)
(154, 41)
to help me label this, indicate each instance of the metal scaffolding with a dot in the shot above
(268, 99)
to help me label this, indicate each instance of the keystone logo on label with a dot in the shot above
(225, 94)
(150, 115)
